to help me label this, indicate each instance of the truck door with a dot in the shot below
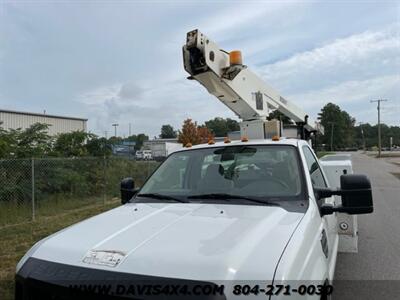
(329, 221)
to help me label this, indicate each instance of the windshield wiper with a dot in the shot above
(224, 196)
(161, 197)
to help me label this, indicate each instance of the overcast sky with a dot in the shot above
(121, 61)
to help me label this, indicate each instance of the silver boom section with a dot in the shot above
(246, 94)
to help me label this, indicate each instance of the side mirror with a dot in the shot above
(127, 189)
(356, 194)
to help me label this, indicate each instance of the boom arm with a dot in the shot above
(246, 94)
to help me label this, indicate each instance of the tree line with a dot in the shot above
(341, 131)
(35, 141)
(67, 178)
(216, 127)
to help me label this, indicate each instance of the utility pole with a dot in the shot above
(362, 134)
(115, 129)
(129, 142)
(379, 124)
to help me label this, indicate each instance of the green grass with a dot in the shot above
(323, 153)
(16, 239)
(390, 154)
(12, 213)
(66, 191)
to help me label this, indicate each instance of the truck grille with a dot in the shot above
(44, 280)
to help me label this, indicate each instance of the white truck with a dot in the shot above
(144, 155)
(161, 148)
(247, 219)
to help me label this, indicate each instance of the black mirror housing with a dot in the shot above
(127, 189)
(356, 194)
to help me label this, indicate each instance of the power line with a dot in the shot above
(379, 123)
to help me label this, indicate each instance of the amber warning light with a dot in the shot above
(235, 58)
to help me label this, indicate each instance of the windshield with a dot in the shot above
(269, 172)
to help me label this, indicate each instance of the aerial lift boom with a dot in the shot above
(247, 95)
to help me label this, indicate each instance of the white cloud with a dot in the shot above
(100, 95)
(130, 91)
(239, 15)
(351, 95)
(360, 56)
(122, 63)
(390, 113)
(348, 71)
(167, 103)
(350, 91)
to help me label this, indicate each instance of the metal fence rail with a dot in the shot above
(47, 186)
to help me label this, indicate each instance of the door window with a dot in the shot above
(317, 178)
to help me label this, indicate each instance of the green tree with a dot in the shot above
(232, 125)
(140, 139)
(116, 140)
(6, 141)
(340, 123)
(167, 131)
(24, 143)
(369, 133)
(34, 141)
(98, 147)
(220, 126)
(72, 143)
(277, 115)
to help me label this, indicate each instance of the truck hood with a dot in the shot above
(177, 240)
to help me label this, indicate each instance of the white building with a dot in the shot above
(58, 124)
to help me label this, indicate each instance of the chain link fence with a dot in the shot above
(32, 188)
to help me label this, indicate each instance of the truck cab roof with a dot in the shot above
(281, 141)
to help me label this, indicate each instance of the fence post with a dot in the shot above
(33, 189)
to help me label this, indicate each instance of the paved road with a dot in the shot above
(374, 272)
